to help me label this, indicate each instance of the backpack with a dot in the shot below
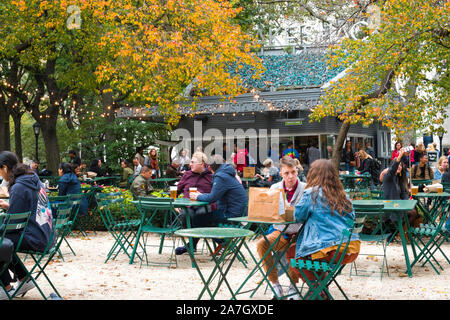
(377, 164)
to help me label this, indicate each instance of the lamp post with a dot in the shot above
(440, 135)
(37, 130)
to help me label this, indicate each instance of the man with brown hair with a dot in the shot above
(293, 188)
(141, 186)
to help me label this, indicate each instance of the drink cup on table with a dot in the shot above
(192, 190)
(173, 192)
(414, 190)
(440, 189)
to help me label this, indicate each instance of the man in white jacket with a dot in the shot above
(293, 189)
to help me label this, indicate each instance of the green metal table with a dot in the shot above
(163, 183)
(277, 256)
(398, 207)
(348, 180)
(431, 204)
(178, 203)
(235, 239)
(248, 181)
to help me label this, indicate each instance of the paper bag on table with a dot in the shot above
(437, 187)
(266, 205)
(4, 192)
(249, 172)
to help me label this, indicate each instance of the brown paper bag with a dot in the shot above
(266, 205)
(4, 192)
(249, 172)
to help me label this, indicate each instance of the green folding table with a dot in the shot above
(399, 208)
(277, 256)
(431, 204)
(248, 182)
(178, 203)
(222, 263)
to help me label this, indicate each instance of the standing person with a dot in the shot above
(293, 189)
(369, 150)
(312, 153)
(412, 154)
(324, 210)
(140, 155)
(184, 160)
(137, 167)
(433, 155)
(34, 166)
(74, 159)
(141, 187)
(69, 184)
(329, 152)
(96, 167)
(26, 193)
(240, 158)
(395, 152)
(290, 151)
(368, 165)
(441, 168)
(418, 151)
(348, 156)
(127, 172)
(152, 162)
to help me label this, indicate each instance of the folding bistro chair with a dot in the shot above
(150, 209)
(76, 200)
(17, 222)
(57, 203)
(116, 221)
(372, 213)
(325, 273)
(428, 238)
(62, 226)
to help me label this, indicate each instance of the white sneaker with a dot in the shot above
(292, 293)
(4, 296)
(27, 286)
(278, 290)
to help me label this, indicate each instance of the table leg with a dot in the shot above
(404, 244)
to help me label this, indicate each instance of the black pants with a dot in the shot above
(15, 266)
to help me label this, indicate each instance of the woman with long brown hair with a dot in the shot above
(152, 162)
(324, 209)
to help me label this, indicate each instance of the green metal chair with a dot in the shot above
(150, 209)
(57, 203)
(428, 238)
(446, 186)
(372, 213)
(61, 227)
(418, 182)
(116, 221)
(17, 222)
(325, 273)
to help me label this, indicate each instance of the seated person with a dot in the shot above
(323, 209)
(201, 177)
(141, 186)
(230, 195)
(127, 172)
(442, 166)
(269, 174)
(422, 170)
(173, 170)
(137, 167)
(293, 189)
(69, 184)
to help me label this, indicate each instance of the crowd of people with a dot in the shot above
(320, 203)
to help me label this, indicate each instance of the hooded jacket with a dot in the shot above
(69, 184)
(28, 194)
(227, 191)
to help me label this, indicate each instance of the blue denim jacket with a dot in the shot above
(323, 228)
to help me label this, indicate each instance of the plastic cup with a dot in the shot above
(440, 189)
(173, 192)
(192, 189)
(414, 190)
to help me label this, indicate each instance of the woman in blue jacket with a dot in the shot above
(323, 209)
(26, 193)
(69, 184)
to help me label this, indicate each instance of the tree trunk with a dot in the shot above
(52, 155)
(337, 150)
(5, 137)
(18, 135)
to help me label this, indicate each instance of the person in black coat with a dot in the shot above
(96, 166)
(26, 193)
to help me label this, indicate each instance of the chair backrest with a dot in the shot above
(446, 186)
(14, 221)
(155, 205)
(418, 182)
(103, 196)
(62, 222)
(368, 209)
